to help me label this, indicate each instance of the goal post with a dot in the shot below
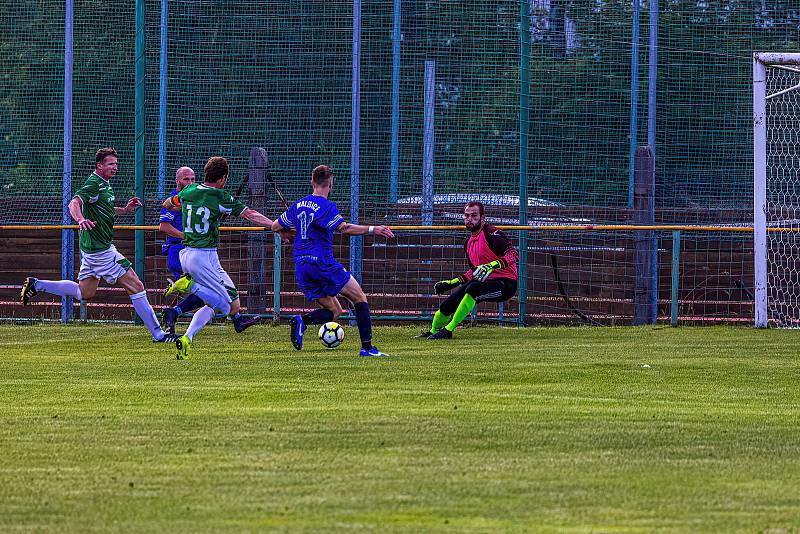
(776, 185)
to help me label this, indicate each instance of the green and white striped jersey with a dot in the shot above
(98, 206)
(202, 207)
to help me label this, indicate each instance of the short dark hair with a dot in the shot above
(321, 174)
(103, 153)
(474, 203)
(216, 168)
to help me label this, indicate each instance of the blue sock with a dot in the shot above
(364, 322)
(189, 304)
(320, 316)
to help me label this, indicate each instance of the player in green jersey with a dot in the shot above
(171, 223)
(93, 209)
(203, 206)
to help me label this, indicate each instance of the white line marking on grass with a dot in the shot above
(35, 341)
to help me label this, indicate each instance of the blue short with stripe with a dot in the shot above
(174, 260)
(320, 277)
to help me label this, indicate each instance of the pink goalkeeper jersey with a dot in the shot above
(491, 244)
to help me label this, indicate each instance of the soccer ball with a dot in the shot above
(331, 334)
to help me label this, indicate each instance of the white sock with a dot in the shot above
(200, 318)
(145, 311)
(63, 288)
(212, 298)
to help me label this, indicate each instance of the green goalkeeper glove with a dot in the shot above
(482, 272)
(440, 288)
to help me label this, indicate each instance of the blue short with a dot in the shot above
(174, 260)
(320, 277)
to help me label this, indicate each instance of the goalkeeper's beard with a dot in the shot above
(474, 228)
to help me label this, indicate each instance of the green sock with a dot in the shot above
(466, 305)
(439, 320)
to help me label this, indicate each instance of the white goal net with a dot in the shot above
(776, 103)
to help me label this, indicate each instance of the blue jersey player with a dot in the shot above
(319, 275)
(171, 224)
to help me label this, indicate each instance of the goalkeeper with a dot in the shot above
(492, 276)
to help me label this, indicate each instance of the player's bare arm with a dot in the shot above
(170, 230)
(172, 203)
(256, 217)
(360, 229)
(130, 207)
(286, 233)
(76, 211)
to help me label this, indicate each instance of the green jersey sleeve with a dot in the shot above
(90, 191)
(231, 205)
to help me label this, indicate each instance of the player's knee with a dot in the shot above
(130, 281)
(472, 287)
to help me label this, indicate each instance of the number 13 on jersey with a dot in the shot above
(203, 213)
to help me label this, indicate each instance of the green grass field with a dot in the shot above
(545, 430)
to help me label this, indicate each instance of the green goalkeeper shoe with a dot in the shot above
(181, 285)
(184, 345)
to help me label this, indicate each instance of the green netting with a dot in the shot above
(31, 99)
(103, 94)
(248, 74)
(580, 101)
(278, 75)
(32, 89)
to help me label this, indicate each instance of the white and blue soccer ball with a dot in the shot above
(331, 334)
